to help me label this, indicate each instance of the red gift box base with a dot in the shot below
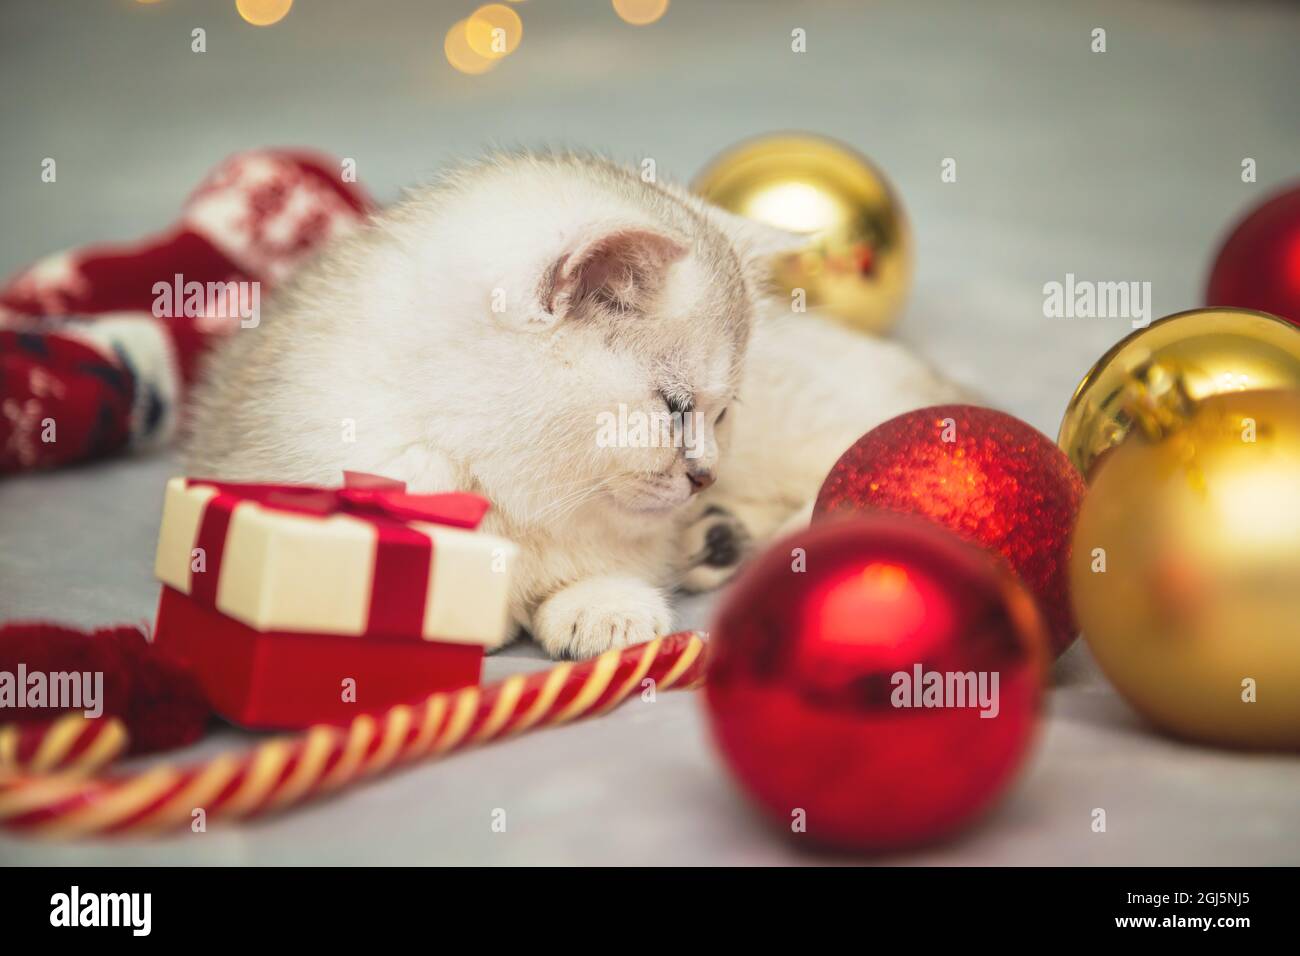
(283, 680)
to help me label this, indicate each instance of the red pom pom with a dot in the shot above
(160, 703)
(820, 658)
(1258, 266)
(988, 477)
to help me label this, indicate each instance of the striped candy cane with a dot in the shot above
(49, 783)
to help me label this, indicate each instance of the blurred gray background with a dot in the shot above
(1116, 166)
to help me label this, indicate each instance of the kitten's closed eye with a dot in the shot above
(677, 403)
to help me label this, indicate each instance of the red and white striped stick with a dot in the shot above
(49, 783)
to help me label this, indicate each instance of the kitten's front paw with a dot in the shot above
(592, 616)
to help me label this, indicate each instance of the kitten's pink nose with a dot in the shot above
(700, 480)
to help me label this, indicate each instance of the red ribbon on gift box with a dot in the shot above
(403, 556)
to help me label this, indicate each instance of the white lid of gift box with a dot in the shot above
(284, 571)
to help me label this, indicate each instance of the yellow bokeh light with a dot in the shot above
(262, 13)
(461, 55)
(640, 12)
(494, 31)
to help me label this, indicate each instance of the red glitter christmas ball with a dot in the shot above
(1258, 265)
(874, 683)
(986, 476)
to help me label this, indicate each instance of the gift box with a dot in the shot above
(296, 604)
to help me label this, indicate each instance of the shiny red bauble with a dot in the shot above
(1258, 265)
(986, 476)
(822, 684)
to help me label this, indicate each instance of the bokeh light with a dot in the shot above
(494, 31)
(879, 609)
(461, 55)
(640, 12)
(796, 207)
(262, 13)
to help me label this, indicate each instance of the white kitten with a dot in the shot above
(475, 334)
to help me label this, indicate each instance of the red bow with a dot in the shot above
(364, 495)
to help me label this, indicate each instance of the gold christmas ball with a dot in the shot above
(1151, 378)
(857, 265)
(1185, 571)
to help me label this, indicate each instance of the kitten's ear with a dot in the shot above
(621, 266)
(758, 245)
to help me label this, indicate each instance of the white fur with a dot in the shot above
(811, 389)
(472, 334)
